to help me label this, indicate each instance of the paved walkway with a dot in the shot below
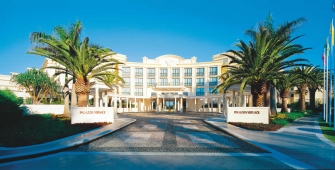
(10, 154)
(298, 146)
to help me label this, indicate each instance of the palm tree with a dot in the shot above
(286, 30)
(82, 61)
(111, 79)
(313, 86)
(70, 35)
(306, 76)
(37, 83)
(284, 84)
(261, 61)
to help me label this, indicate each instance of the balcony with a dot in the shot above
(169, 86)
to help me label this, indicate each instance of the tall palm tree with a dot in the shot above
(306, 76)
(70, 35)
(81, 61)
(286, 30)
(260, 61)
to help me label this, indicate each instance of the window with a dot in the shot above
(138, 92)
(200, 82)
(185, 93)
(126, 71)
(213, 81)
(176, 72)
(164, 72)
(138, 82)
(127, 81)
(200, 92)
(200, 71)
(188, 72)
(210, 90)
(151, 82)
(188, 81)
(138, 71)
(175, 82)
(163, 82)
(151, 71)
(213, 71)
(126, 91)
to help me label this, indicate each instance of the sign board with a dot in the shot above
(92, 114)
(248, 114)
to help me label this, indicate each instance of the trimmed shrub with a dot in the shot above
(11, 112)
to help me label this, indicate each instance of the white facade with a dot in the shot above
(166, 83)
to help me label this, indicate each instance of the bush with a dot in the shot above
(11, 112)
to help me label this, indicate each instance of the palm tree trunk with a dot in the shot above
(82, 90)
(66, 112)
(273, 97)
(73, 95)
(258, 90)
(284, 94)
(302, 89)
(284, 105)
(82, 100)
(312, 98)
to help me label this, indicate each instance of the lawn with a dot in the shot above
(282, 119)
(328, 131)
(36, 129)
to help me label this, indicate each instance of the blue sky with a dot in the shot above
(152, 28)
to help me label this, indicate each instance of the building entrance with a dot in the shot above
(169, 105)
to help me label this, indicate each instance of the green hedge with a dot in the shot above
(11, 112)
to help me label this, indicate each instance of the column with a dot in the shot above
(163, 104)
(175, 104)
(243, 101)
(219, 104)
(211, 104)
(181, 105)
(224, 105)
(115, 105)
(127, 106)
(96, 96)
(195, 104)
(136, 106)
(186, 105)
(250, 101)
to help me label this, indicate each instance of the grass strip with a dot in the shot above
(37, 129)
(328, 131)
